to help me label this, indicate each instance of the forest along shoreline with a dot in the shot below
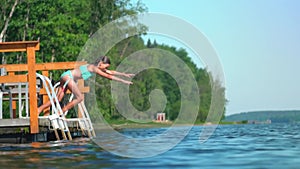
(120, 125)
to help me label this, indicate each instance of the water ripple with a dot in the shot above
(231, 146)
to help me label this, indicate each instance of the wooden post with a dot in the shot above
(34, 126)
(14, 107)
(45, 97)
(80, 84)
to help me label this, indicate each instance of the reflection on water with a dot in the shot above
(48, 155)
(231, 146)
(141, 143)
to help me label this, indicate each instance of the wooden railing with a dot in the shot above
(31, 67)
(29, 47)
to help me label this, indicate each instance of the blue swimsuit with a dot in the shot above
(67, 73)
(85, 74)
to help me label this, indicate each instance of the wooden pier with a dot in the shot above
(15, 76)
(15, 131)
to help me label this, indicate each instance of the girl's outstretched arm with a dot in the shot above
(113, 72)
(111, 77)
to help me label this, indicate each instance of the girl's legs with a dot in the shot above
(44, 106)
(78, 96)
(61, 92)
(60, 95)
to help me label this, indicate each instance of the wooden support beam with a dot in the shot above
(19, 46)
(34, 126)
(59, 65)
(43, 66)
(14, 107)
(14, 79)
(45, 97)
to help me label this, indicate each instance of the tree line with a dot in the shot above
(64, 26)
(280, 116)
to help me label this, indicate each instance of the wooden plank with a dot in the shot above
(16, 91)
(43, 122)
(25, 122)
(43, 66)
(15, 67)
(34, 128)
(13, 48)
(20, 46)
(59, 65)
(14, 122)
(14, 79)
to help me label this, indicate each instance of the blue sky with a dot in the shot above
(257, 43)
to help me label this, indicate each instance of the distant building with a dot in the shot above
(161, 117)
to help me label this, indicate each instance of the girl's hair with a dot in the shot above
(103, 59)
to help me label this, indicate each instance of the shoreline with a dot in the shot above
(131, 125)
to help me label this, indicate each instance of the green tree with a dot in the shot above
(64, 26)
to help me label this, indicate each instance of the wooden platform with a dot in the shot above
(43, 122)
(14, 123)
(16, 131)
(26, 73)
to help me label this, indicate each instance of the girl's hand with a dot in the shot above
(127, 82)
(129, 75)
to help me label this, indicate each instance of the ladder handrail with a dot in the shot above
(70, 99)
(57, 122)
(51, 94)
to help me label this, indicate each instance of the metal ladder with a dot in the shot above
(57, 119)
(84, 122)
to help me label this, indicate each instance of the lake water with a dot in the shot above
(230, 146)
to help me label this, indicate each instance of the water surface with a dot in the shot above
(231, 146)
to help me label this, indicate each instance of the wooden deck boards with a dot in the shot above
(43, 122)
(14, 122)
